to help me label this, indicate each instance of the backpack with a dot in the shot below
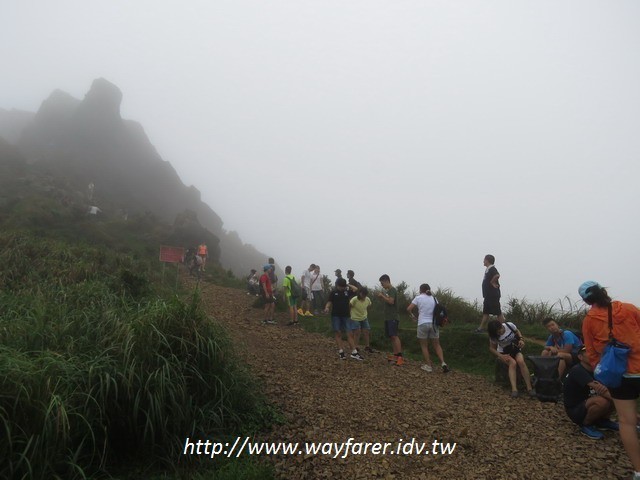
(545, 378)
(440, 317)
(294, 288)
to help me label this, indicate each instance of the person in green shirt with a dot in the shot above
(291, 299)
(390, 311)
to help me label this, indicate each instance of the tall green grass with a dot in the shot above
(98, 367)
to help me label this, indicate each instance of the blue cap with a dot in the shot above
(584, 288)
(267, 267)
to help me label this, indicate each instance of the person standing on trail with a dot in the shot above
(305, 280)
(624, 327)
(490, 293)
(291, 293)
(390, 314)
(338, 305)
(427, 329)
(360, 304)
(317, 290)
(267, 296)
(203, 253)
(273, 278)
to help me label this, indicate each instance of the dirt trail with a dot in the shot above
(326, 399)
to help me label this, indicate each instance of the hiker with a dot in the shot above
(360, 303)
(352, 282)
(390, 314)
(203, 253)
(625, 319)
(490, 293)
(317, 290)
(291, 293)
(273, 278)
(563, 344)
(587, 402)
(305, 280)
(253, 283)
(267, 295)
(338, 304)
(506, 343)
(427, 329)
(338, 274)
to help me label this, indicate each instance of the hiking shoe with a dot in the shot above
(608, 425)
(342, 355)
(445, 368)
(591, 432)
(357, 356)
(426, 368)
(514, 394)
(399, 361)
(369, 350)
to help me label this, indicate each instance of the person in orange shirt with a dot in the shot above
(626, 328)
(203, 254)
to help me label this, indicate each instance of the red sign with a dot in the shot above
(171, 254)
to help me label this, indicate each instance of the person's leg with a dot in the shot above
(627, 418)
(513, 375)
(598, 408)
(524, 370)
(424, 346)
(438, 349)
(272, 310)
(483, 322)
(356, 336)
(396, 345)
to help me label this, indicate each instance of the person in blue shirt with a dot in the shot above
(563, 344)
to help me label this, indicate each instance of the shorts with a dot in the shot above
(629, 389)
(339, 324)
(426, 330)
(578, 413)
(491, 306)
(292, 301)
(391, 328)
(353, 325)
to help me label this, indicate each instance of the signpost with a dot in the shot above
(171, 255)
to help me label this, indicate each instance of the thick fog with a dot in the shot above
(401, 137)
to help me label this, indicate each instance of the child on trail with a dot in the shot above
(359, 318)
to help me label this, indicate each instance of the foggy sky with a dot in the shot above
(401, 137)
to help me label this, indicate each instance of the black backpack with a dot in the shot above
(294, 288)
(440, 317)
(545, 378)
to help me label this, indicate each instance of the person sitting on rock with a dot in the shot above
(563, 344)
(586, 401)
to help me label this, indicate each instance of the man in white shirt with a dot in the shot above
(305, 280)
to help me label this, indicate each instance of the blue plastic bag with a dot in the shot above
(613, 364)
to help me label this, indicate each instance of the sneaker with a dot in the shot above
(532, 393)
(369, 350)
(427, 368)
(514, 394)
(357, 356)
(342, 355)
(399, 361)
(445, 368)
(392, 358)
(608, 425)
(478, 331)
(591, 432)
(272, 322)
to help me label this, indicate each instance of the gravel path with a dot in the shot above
(325, 399)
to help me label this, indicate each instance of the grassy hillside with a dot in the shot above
(104, 367)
